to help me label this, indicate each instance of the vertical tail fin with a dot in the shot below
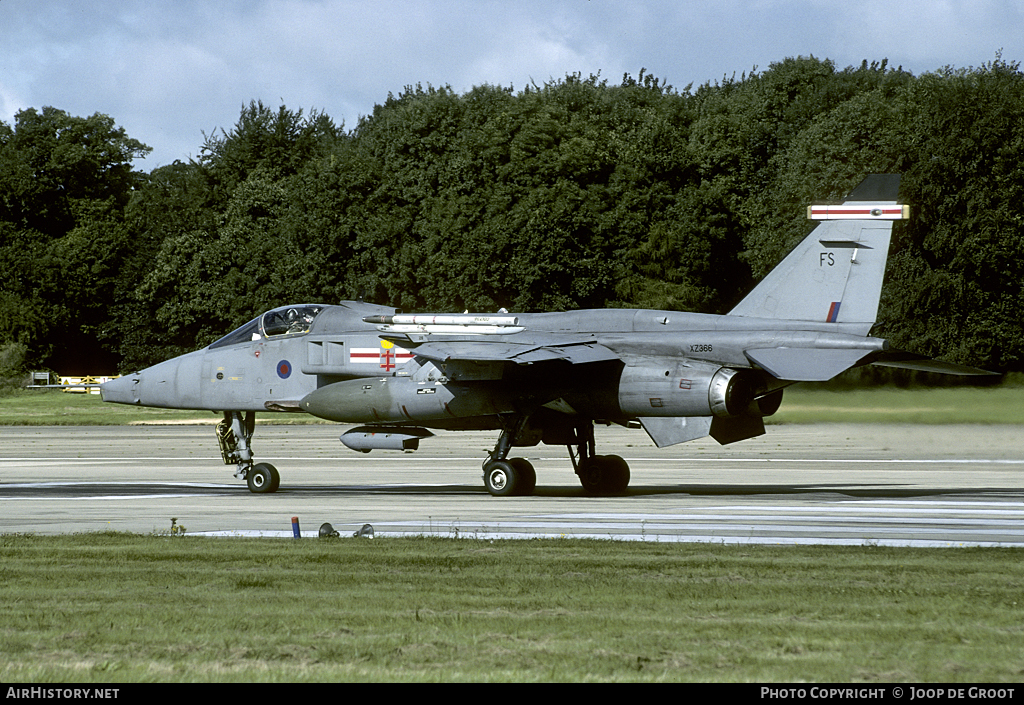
(835, 274)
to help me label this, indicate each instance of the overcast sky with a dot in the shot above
(169, 71)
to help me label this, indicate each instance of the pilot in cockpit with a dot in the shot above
(299, 320)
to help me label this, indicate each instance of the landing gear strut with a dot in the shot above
(234, 434)
(504, 477)
(599, 474)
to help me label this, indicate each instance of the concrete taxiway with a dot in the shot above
(822, 484)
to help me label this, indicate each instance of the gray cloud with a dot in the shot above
(169, 71)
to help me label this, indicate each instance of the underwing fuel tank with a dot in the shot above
(402, 399)
(367, 438)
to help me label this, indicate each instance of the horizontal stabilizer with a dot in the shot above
(921, 363)
(805, 364)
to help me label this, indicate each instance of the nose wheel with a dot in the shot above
(234, 434)
(263, 478)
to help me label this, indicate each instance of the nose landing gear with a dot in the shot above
(234, 434)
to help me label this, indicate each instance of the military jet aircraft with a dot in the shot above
(550, 377)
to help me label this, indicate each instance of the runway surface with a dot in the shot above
(824, 484)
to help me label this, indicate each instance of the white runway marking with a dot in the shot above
(901, 525)
(949, 487)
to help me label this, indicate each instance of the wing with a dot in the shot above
(534, 349)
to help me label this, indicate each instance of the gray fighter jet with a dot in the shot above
(550, 377)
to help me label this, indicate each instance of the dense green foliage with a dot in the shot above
(578, 193)
(65, 183)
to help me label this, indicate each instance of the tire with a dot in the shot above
(616, 474)
(526, 477)
(263, 478)
(501, 478)
(604, 474)
(591, 474)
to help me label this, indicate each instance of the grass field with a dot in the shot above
(125, 608)
(921, 405)
(53, 407)
(990, 405)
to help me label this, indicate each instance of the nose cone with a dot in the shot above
(172, 385)
(123, 390)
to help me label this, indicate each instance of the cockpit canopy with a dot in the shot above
(290, 320)
(276, 323)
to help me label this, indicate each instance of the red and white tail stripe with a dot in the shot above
(859, 211)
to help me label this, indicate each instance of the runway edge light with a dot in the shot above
(327, 531)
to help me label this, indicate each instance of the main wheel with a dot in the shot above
(526, 476)
(604, 474)
(263, 478)
(501, 478)
(617, 472)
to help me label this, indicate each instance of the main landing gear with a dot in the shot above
(505, 477)
(234, 434)
(599, 474)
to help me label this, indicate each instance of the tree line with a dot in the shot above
(578, 193)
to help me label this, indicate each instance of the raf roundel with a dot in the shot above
(284, 369)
